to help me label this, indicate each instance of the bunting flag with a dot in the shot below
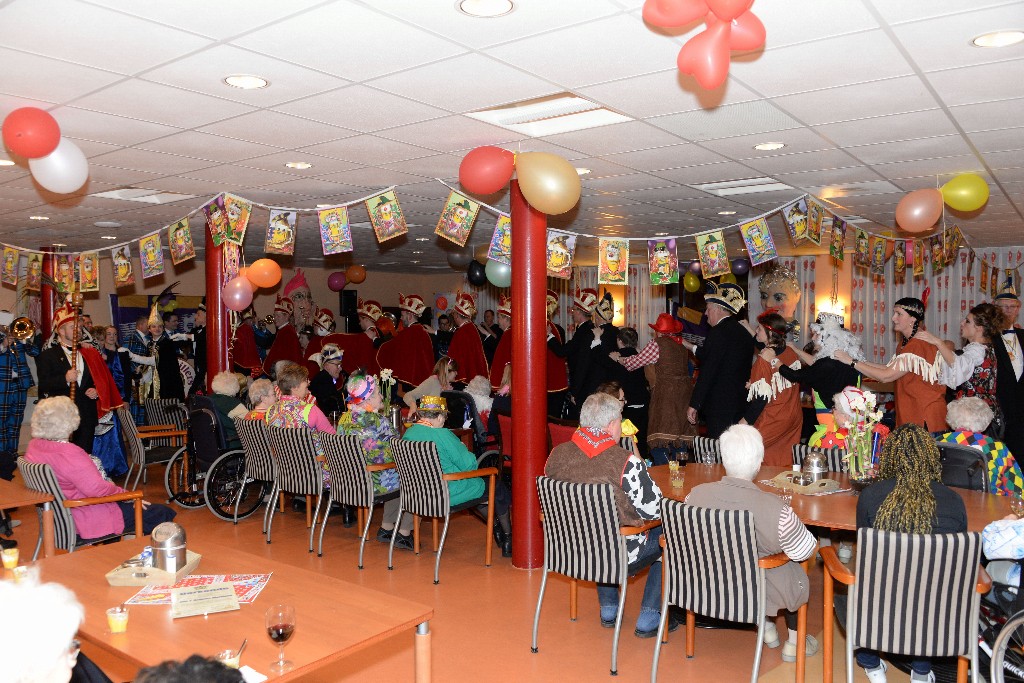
(232, 258)
(386, 216)
(121, 257)
(612, 261)
(795, 217)
(64, 273)
(216, 219)
(457, 218)
(500, 249)
(238, 211)
(561, 247)
(835, 248)
(951, 239)
(151, 254)
(9, 274)
(335, 231)
(281, 232)
(993, 282)
(34, 272)
(760, 245)
(714, 260)
(918, 258)
(179, 240)
(815, 216)
(861, 251)
(89, 271)
(899, 261)
(878, 256)
(983, 280)
(970, 267)
(663, 261)
(938, 253)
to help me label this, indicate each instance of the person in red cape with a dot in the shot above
(286, 340)
(466, 348)
(410, 352)
(358, 346)
(244, 354)
(323, 325)
(96, 391)
(502, 354)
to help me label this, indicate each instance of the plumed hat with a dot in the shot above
(330, 352)
(505, 305)
(65, 313)
(551, 302)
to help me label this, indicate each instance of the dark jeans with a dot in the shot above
(608, 594)
(151, 516)
(869, 659)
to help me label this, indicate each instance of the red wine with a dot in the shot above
(280, 633)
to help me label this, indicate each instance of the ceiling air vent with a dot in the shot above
(562, 113)
(141, 194)
(726, 188)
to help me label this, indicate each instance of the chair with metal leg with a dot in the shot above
(298, 470)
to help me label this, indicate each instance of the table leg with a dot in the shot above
(423, 652)
(49, 550)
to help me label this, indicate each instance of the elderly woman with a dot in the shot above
(773, 402)
(908, 498)
(41, 648)
(53, 421)
(364, 420)
(445, 372)
(834, 434)
(261, 398)
(293, 408)
(777, 528)
(968, 418)
(973, 372)
(432, 412)
(224, 396)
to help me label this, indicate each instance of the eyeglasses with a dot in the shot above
(73, 649)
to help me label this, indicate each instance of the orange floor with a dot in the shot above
(483, 616)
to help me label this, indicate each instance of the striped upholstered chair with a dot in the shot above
(163, 414)
(351, 482)
(712, 568)
(703, 446)
(913, 594)
(834, 456)
(259, 464)
(141, 445)
(297, 470)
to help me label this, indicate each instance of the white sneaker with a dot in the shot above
(927, 678)
(845, 552)
(771, 635)
(789, 649)
(877, 675)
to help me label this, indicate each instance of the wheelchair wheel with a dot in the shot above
(182, 482)
(224, 480)
(1008, 652)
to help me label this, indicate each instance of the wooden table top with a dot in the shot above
(333, 618)
(14, 494)
(835, 511)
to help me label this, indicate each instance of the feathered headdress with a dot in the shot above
(154, 312)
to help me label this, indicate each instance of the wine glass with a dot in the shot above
(280, 628)
(1017, 506)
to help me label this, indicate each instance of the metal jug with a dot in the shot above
(815, 466)
(169, 552)
(395, 417)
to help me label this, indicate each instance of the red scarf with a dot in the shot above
(593, 441)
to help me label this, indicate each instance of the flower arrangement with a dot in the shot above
(387, 384)
(864, 441)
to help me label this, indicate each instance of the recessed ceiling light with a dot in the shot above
(6, 162)
(726, 213)
(413, 261)
(39, 218)
(326, 206)
(769, 146)
(485, 9)
(59, 244)
(661, 234)
(107, 224)
(582, 171)
(301, 165)
(417, 252)
(107, 237)
(998, 39)
(246, 82)
(422, 239)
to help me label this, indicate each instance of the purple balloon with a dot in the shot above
(695, 267)
(740, 266)
(336, 281)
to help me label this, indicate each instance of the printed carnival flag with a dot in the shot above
(179, 240)
(64, 273)
(993, 282)
(281, 232)
(34, 273)
(151, 254)
(815, 216)
(335, 231)
(10, 268)
(861, 255)
(938, 253)
(760, 245)
(835, 249)
(89, 271)
(918, 258)
(457, 218)
(714, 260)
(561, 247)
(612, 261)
(899, 260)
(216, 219)
(122, 260)
(795, 217)
(238, 211)
(663, 261)
(983, 279)
(500, 249)
(386, 216)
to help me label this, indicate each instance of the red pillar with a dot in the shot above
(47, 295)
(529, 376)
(218, 327)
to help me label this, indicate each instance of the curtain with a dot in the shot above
(644, 302)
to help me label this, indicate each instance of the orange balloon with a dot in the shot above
(355, 274)
(264, 273)
(919, 210)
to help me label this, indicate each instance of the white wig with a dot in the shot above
(970, 414)
(833, 337)
(480, 389)
(47, 616)
(742, 451)
(54, 419)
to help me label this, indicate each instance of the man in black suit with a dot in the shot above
(725, 358)
(1009, 349)
(199, 339)
(328, 386)
(577, 351)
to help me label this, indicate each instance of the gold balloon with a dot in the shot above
(728, 277)
(548, 182)
(965, 192)
(691, 283)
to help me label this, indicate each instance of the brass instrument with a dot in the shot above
(268, 319)
(21, 329)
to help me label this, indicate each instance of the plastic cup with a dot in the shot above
(9, 557)
(228, 658)
(117, 619)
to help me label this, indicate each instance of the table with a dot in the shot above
(334, 618)
(15, 494)
(835, 511)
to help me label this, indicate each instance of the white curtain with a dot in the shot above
(644, 302)
(804, 267)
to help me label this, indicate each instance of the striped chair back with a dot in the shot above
(40, 477)
(711, 562)
(834, 456)
(915, 593)
(135, 451)
(703, 446)
(294, 453)
(581, 531)
(424, 492)
(166, 411)
(259, 464)
(351, 484)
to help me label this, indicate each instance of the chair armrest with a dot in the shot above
(633, 530)
(380, 467)
(112, 498)
(839, 571)
(773, 561)
(176, 433)
(984, 581)
(472, 474)
(150, 428)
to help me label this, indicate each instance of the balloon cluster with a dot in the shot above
(56, 163)
(730, 26)
(919, 210)
(548, 182)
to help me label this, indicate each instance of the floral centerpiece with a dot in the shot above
(387, 385)
(864, 440)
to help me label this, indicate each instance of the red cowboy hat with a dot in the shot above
(667, 324)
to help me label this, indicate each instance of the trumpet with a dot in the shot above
(22, 329)
(268, 319)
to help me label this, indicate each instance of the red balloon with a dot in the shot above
(336, 281)
(747, 32)
(919, 210)
(671, 13)
(31, 132)
(237, 294)
(706, 55)
(485, 170)
(729, 9)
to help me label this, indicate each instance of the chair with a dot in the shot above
(712, 569)
(298, 470)
(583, 541)
(41, 477)
(163, 414)
(505, 432)
(912, 594)
(834, 456)
(352, 482)
(259, 464)
(424, 493)
(560, 431)
(485, 445)
(703, 446)
(139, 455)
(963, 467)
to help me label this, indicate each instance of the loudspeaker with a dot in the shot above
(348, 302)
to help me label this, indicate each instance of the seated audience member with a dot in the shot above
(832, 433)
(39, 644)
(777, 529)
(53, 421)
(432, 412)
(445, 372)
(480, 389)
(969, 418)
(195, 669)
(1002, 542)
(294, 411)
(908, 498)
(593, 456)
(328, 386)
(261, 396)
(224, 396)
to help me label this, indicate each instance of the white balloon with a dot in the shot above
(499, 274)
(63, 170)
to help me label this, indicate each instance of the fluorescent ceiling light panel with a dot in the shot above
(550, 115)
(746, 186)
(140, 194)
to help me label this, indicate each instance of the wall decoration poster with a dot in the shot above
(878, 247)
(663, 261)
(795, 218)
(335, 231)
(457, 218)
(151, 254)
(815, 216)
(918, 258)
(835, 248)
(760, 245)
(34, 271)
(560, 250)
(64, 273)
(386, 216)
(500, 249)
(9, 274)
(969, 274)
(238, 211)
(612, 261)
(217, 219)
(179, 239)
(281, 232)
(951, 242)
(861, 252)
(937, 250)
(899, 260)
(983, 280)
(89, 271)
(714, 260)
(122, 260)
(232, 256)
(993, 283)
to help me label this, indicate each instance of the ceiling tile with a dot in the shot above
(205, 146)
(114, 130)
(805, 161)
(618, 137)
(930, 123)
(930, 167)
(371, 177)
(943, 43)
(220, 19)
(724, 122)
(34, 77)
(711, 173)
(670, 156)
(277, 160)
(972, 84)
(235, 176)
(141, 159)
(790, 23)
(908, 150)
(161, 104)
(365, 150)
(434, 166)
(742, 146)
(998, 140)
(988, 115)
(876, 98)
(451, 133)
(361, 107)
(668, 91)
(280, 130)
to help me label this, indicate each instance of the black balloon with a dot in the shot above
(476, 273)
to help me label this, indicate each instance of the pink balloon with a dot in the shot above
(695, 267)
(237, 294)
(485, 170)
(747, 32)
(336, 281)
(671, 13)
(919, 210)
(729, 9)
(706, 55)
